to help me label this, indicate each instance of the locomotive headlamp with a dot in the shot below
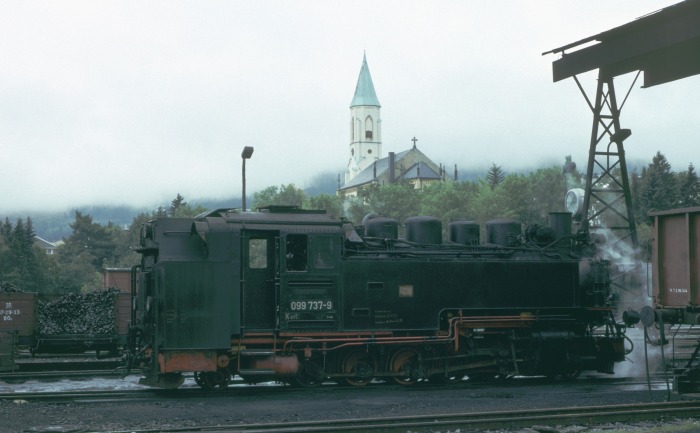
(574, 202)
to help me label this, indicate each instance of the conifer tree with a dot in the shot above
(495, 176)
(689, 187)
(659, 186)
(175, 205)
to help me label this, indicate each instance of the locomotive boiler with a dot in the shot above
(303, 297)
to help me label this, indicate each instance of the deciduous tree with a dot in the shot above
(284, 195)
(332, 204)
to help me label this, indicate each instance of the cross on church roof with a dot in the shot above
(414, 139)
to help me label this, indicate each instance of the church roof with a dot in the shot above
(420, 170)
(368, 174)
(364, 90)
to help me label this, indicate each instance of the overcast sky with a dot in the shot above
(134, 102)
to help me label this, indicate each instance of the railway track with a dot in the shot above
(483, 420)
(59, 374)
(106, 388)
(81, 396)
(180, 407)
(92, 396)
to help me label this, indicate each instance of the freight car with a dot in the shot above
(61, 324)
(675, 293)
(17, 324)
(303, 297)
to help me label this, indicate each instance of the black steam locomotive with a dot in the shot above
(302, 297)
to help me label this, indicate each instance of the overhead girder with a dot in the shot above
(664, 45)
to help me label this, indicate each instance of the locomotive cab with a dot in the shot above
(186, 299)
(217, 290)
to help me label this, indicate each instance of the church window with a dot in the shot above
(369, 127)
(369, 151)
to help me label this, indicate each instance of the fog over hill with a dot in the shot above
(55, 225)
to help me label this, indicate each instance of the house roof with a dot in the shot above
(364, 90)
(44, 244)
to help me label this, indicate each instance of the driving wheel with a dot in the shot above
(361, 364)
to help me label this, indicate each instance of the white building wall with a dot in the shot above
(364, 151)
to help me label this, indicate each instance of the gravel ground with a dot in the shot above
(262, 404)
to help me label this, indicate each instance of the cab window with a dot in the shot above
(296, 252)
(324, 252)
(257, 253)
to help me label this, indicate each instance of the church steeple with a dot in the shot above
(365, 125)
(364, 90)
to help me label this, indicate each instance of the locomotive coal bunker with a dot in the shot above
(303, 297)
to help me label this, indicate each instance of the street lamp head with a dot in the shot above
(247, 152)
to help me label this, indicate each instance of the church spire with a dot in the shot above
(364, 90)
(365, 125)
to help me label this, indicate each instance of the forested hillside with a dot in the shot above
(101, 236)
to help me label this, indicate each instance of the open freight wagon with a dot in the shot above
(676, 290)
(17, 325)
(62, 324)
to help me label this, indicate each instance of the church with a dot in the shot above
(367, 165)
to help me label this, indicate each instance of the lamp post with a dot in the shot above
(246, 154)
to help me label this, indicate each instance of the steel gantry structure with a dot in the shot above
(665, 45)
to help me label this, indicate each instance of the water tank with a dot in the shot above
(560, 222)
(504, 232)
(380, 227)
(464, 232)
(423, 230)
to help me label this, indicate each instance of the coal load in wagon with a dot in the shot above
(9, 287)
(78, 313)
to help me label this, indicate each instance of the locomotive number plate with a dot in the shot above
(311, 305)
